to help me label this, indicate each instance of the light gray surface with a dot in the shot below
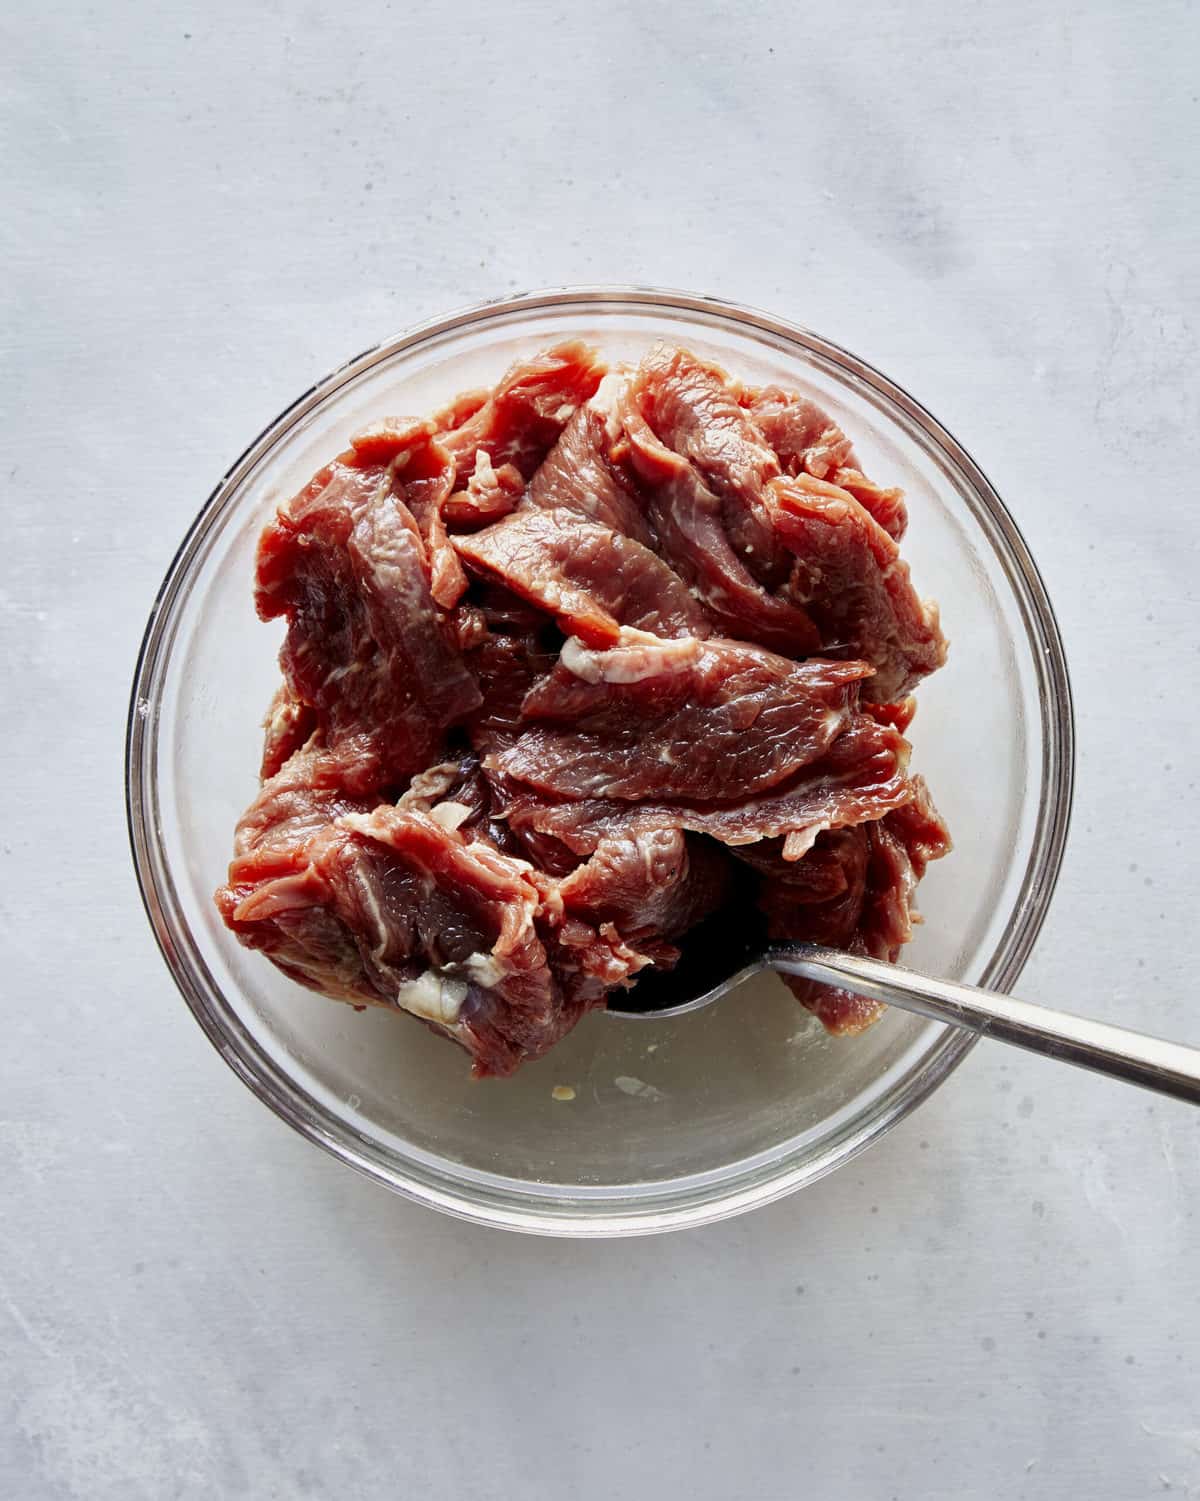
(207, 208)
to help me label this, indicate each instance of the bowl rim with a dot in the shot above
(660, 1210)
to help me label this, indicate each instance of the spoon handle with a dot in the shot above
(1168, 1067)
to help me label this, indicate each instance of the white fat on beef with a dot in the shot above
(450, 815)
(484, 474)
(429, 785)
(607, 400)
(436, 997)
(637, 655)
(484, 969)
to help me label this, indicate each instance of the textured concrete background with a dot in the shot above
(205, 208)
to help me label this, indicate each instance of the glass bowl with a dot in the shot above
(674, 1122)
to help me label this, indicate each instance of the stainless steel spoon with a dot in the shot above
(1171, 1068)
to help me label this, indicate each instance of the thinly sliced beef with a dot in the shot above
(304, 795)
(367, 648)
(463, 406)
(580, 476)
(861, 778)
(591, 961)
(855, 890)
(318, 518)
(693, 409)
(504, 612)
(683, 719)
(271, 898)
(490, 494)
(658, 883)
(922, 828)
(849, 576)
(689, 522)
(521, 420)
(825, 888)
(506, 667)
(466, 913)
(575, 669)
(591, 579)
(422, 476)
(392, 908)
(886, 506)
(457, 795)
(804, 438)
(899, 714)
(303, 939)
(288, 724)
(808, 441)
(824, 905)
(620, 909)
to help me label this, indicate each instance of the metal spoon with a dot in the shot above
(716, 965)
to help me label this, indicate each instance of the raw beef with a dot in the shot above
(863, 777)
(394, 908)
(490, 494)
(652, 885)
(693, 409)
(629, 722)
(288, 725)
(367, 649)
(850, 577)
(806, 440)
(580, 476)
(861, 898)
(422, 476)
(272, 898)
(689, 520)
(574, 669)
(885, 506)
(591, 579)
(520, 421)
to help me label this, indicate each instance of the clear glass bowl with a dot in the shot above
(674, 1122)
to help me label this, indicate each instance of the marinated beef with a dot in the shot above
(589, 578)
(850, 577)
(368, 649)
(704, 721)
(690, 522)
(579, 476)
(570, 668)
(521, 420)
